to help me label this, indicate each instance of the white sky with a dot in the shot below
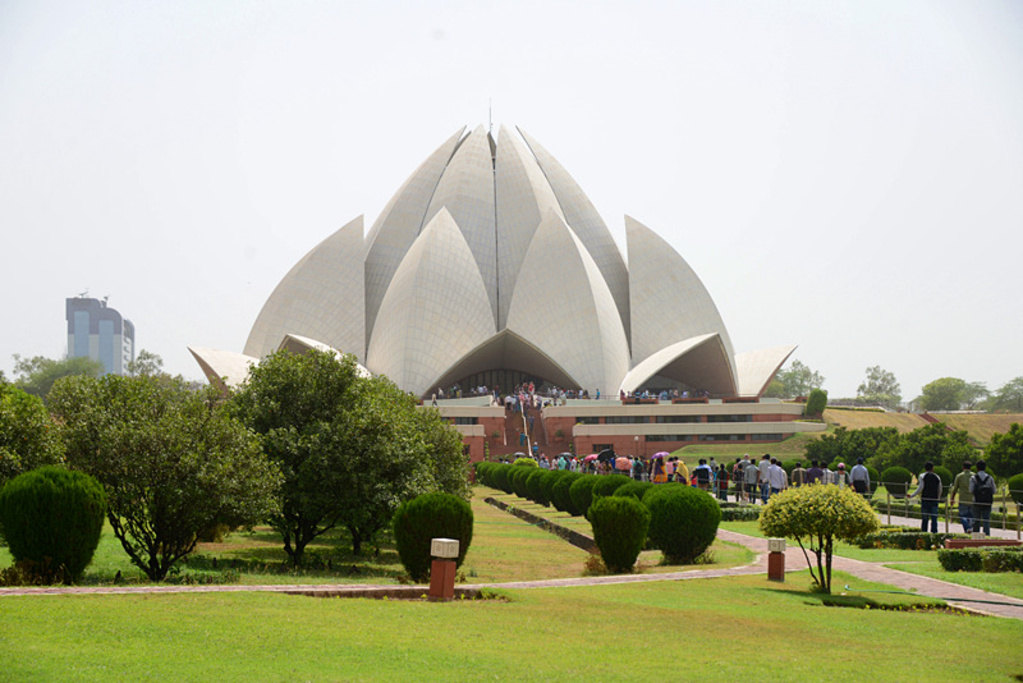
(845, 176)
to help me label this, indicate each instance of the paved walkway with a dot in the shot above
(954, 527)
(954, 594)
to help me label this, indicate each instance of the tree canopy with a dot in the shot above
(796, 380)
(879, 388)
(951, 393)
(351, 448)
(28, 437)
(845, 445)
(36, 375)
(145, 363)
(1009, 397)
(934, 442)
(173, 462)
(1004, 453)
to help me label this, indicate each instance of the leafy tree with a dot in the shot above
(1004, 453)
(951, 393)
(351, 448)
(145, 363)
(879, 388)
(797, 380)
(816, 402)
(820, 515)
(36, 375)
(1009, 397)
(847, 445)
(173, 462)
(934, 442)
(28, 437)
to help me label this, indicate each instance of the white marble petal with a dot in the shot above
(399, 224)
(563, 306)
(757, 368)
(582, 217)
(224, 369)
(299, 344)
(435, 311)
(701, 363)
(321, 297)
(668, 301)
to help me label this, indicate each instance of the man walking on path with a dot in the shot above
(752, 476)
(929, 489)
(860, 477)
(777, 478)
(799, 475)
(814, 474)
(764, 480)
(961, 488)
(982, 486)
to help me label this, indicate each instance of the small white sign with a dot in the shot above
(444, 548)
(776, 545)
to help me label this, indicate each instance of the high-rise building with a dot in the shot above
(99, 332)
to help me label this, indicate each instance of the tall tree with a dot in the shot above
(880, 388)
(28, 437)
(796, 380)
(350, 448)
(145, 363)
(1009, 396)
(934, 442)
(173, 462)
(951, 393)
(36, 375)
(1004, 453)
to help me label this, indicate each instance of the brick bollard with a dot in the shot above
(442, 570)
(776, 559)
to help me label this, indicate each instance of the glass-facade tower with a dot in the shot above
(96, 331)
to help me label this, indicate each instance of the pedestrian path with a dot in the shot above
(954, 527)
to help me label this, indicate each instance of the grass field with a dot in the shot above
(981, 427)
(597, 633)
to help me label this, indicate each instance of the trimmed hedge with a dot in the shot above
(518, 478)
(52, 519)
(582, 493)
(1016, 488)
(525, 462)
(905, 540)
(897, 479)
(634, 488)
(620, 526)
(746, 513)
(547, 484)
(561, 493)
(683, 521)
(429, 516)
(609, 483)
(534, 487)
(982, 559)
(945, 475)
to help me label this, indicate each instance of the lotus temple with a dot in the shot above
(491, 268)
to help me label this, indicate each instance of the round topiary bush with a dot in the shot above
(875, 478)
(561, 496)
(582, 492)
(534, 486)
(683, 521)
(609, 483)
(620, 526)
(634, 488)
(547, 484)
(500, 476)
(429, 516)
(525, 462)
(52, 518)
(518, 478)
(1016, 488)
(896, 480)
(945, 475)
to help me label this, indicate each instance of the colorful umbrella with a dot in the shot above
(591, 456)
(660, 454)
(623, 463)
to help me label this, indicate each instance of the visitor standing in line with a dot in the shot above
(961, 488)
(814, 474)
(982, 486)
(860, 477)
(798, 474)
(764, 480)
(929, 489)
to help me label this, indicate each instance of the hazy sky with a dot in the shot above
(845, 176)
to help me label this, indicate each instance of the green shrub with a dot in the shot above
(52, 519)
(816, 402)
(482, 470)
(788, 466)
(905, 540)
(547, 484)
(896, 480)
(945, 475)
(619, 529)
(582, 492)
(609, 483)
(525, 462)
(562, 497)
(746, 513)
(981, 559)
(534, 486)
(875, 478)
(634, 488)
(429, 516)
(1016, 488)
(519, 476)
(683, 521)
(500, 476)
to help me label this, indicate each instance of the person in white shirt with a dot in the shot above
(765, 484)
(777, 477)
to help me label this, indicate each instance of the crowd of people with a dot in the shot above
(528, 393)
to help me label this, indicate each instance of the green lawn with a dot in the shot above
(1006, 583)
(595, 633)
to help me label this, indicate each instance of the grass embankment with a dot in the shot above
(652, 631)
(981, 427)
